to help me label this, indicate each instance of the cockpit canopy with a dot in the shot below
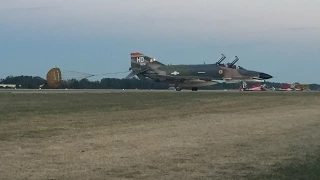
(229, 65)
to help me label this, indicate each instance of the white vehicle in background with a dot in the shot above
(8, 86)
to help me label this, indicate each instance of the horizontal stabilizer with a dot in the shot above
(134, 73)
(141, 77)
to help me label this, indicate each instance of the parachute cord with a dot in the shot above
(111, 73)
(91, 75)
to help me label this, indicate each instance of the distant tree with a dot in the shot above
(28, 82)
(31, 82)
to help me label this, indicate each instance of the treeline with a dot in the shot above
(26, 82)
(31, 82)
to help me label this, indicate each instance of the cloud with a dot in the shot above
(37, 8)
(33, 8)
(166, 18)
(301, 28)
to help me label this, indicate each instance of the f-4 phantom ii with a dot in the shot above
(192, 76)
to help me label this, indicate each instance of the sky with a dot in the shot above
(280, 37)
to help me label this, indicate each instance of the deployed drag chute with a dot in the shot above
(56, 76)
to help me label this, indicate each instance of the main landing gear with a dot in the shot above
(193, 89)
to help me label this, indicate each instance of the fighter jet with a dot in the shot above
(255, 87)
(191, 76)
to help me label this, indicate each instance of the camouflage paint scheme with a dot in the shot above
(190, 76)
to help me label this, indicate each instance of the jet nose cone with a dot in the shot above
(265, 76)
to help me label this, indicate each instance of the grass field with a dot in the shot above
(191, 135)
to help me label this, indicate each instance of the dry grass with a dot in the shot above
(154, 135)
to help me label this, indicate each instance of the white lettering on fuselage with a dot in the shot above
(141, 61)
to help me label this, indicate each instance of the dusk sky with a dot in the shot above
(280, 37)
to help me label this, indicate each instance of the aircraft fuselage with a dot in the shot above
(194, 76)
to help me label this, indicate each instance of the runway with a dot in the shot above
(94, 91)
(53, 91)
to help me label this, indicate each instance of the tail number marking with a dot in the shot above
(141, 61)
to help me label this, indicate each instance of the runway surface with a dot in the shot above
(47, 91)
(95, 90)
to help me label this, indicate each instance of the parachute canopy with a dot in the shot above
(56, 76)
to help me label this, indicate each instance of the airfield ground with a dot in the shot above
(160, 135)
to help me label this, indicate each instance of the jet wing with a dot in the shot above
(189, 79)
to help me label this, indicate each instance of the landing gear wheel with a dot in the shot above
(194, 89)
(178, 88)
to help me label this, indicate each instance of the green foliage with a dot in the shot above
(26, 82)
(30, 82)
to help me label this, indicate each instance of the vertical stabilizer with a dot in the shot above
(141, 63)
